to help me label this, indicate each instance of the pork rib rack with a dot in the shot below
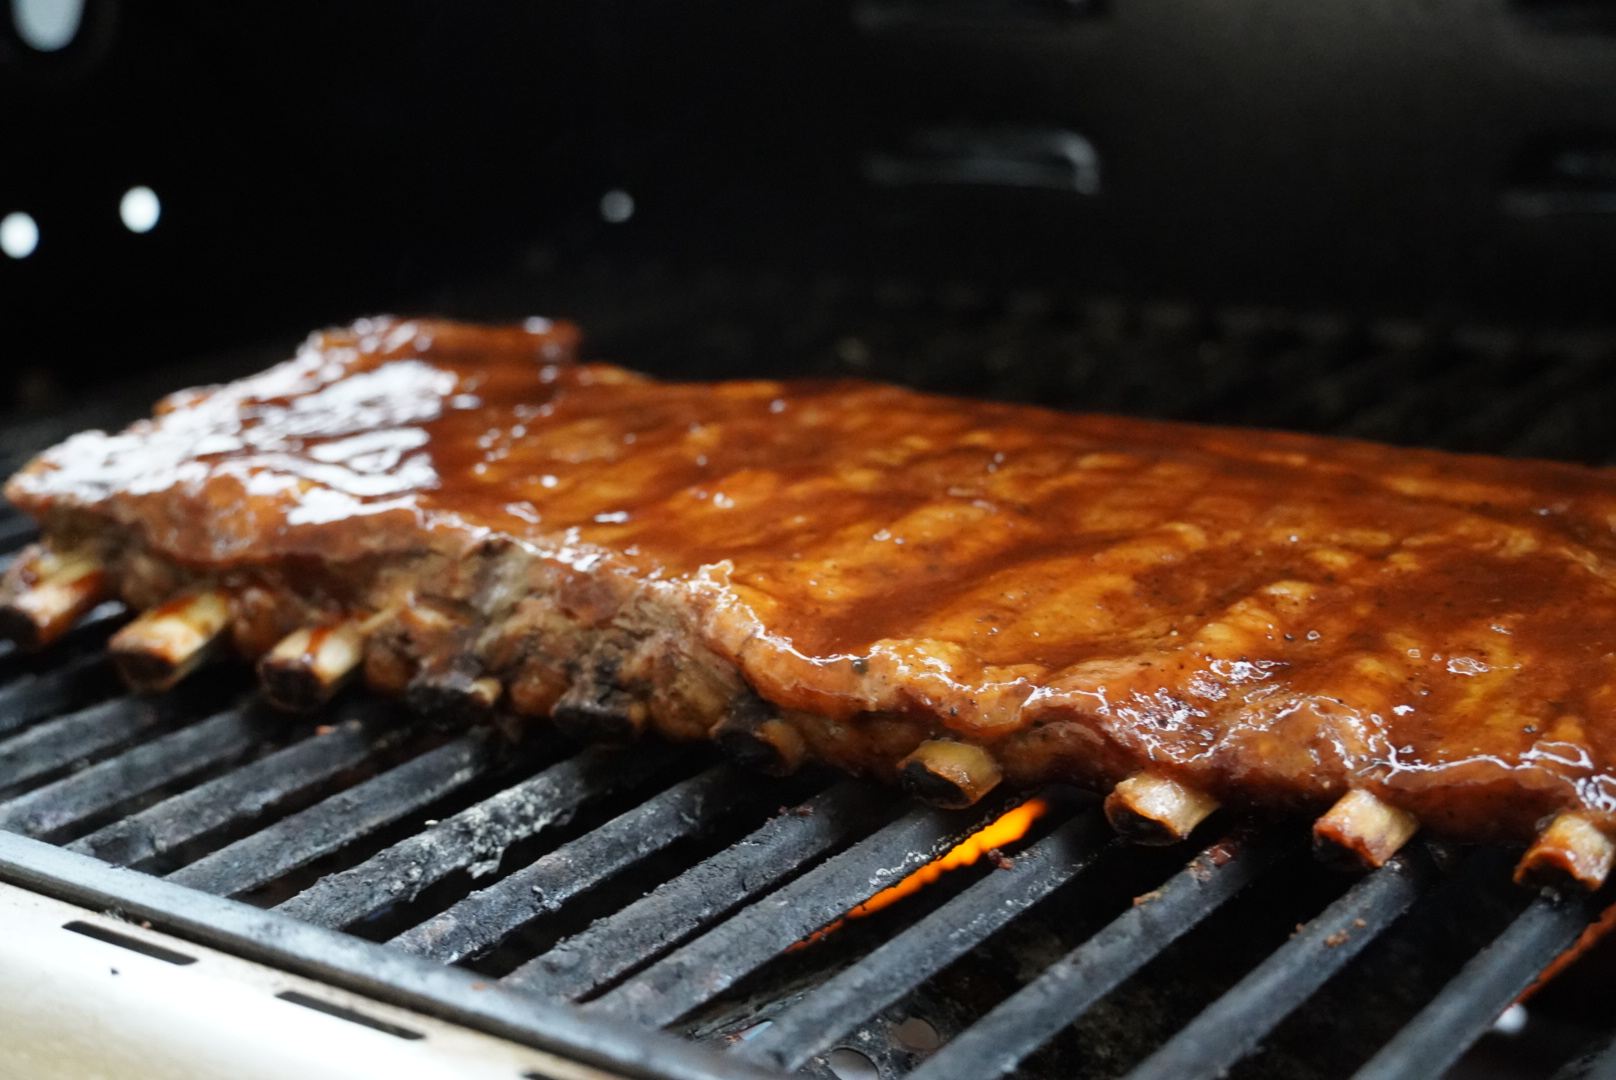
(939, 592)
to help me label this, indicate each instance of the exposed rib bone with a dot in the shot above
(166, 643)
(597, 709)
(1362, 831)
(755, 736)
(43, 593)
(1155, 810)
(1571, 851)
(948, 773)
(453, 694)
(309, 665)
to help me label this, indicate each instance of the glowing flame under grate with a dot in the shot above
(1004, 830)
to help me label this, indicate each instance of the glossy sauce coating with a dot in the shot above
(1272, 617)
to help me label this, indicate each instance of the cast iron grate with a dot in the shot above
(612, 892)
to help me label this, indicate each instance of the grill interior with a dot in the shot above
(661, 888)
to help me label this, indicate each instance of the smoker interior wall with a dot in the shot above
(316, 161)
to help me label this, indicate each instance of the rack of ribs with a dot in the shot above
(942, 593)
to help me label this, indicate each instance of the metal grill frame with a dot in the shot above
(375, 971)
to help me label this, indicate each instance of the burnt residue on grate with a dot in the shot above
(660, 887)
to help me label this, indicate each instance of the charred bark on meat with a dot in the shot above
(453, 693)
(597, 708)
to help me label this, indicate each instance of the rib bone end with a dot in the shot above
(453, 696)
(43, 594)
(949, 774)
(1572, 851)
(1155, 810)
(592, 713)
(167, 643)
(309, 665)
(1360, 831)
(754, 735)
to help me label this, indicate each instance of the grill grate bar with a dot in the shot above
(1596, 1063)
(56, 743)
(488, 915)
(242, 793)
(70, 685)
(474, 837)
(326, 826)
(1233, 1025)
(705, 968)
(897, 967)
(1487, 985)
(149, 766)
(1032, 1016)
(649, 926)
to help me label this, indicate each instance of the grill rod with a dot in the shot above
(1231, 1027)
(244, 792)
(1001, 1040)
(700, 896)
(64, 688)
(1467, 1006)
(328, 825)
(487, 916)
(709, 965)
(111, 726)
(1597, 1064)
(45, 810)
(476, 835)
(814, 1024)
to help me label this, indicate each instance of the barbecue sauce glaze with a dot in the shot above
(1271, 617)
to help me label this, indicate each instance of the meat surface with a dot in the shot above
(884, 580)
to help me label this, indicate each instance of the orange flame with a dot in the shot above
(1007, 828)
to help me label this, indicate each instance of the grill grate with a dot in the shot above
(880, 979)
(484, 918)
(700, 971)
(699, 897)
(580, 900)
(1037, 1013)
(1467, 1006)
(1233, 1025)
(47, 810)
(298, 840)
(479, 832)
(243, 793)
